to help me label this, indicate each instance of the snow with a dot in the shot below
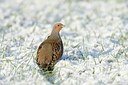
(95, 40)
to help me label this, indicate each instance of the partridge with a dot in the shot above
(50, 50)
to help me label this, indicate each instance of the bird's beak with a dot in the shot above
(63, 26)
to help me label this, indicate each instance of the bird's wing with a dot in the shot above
(49, 52)
(44, 54)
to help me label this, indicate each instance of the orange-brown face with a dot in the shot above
(58, 26)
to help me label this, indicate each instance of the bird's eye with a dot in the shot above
(58, 25)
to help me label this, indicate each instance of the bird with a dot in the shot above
(51, 49)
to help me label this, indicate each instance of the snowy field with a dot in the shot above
(95, 41)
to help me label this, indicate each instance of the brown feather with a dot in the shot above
(50, 51)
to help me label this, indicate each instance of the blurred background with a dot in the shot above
(95, 41)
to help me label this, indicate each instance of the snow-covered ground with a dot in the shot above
(95, 41)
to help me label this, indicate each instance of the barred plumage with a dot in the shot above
(51, 50)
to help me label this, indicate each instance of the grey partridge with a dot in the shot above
(50, 50)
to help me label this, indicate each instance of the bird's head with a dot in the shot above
(58, 26)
